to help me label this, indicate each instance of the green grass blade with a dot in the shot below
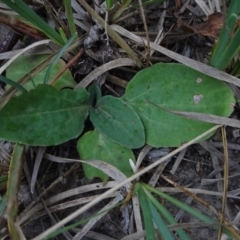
(58, 56)
(63, 35)
(168, 216)
(109, 4)
(230, 51)
(69, 14)
(233, 8)
(223, 41)
(27, 13)
(147, 217)
(13, 84)
(226, 32)
(3, 204)
(166, 234)
(197, 214)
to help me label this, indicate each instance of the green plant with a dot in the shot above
(228, 44)
(147, 113)
(143, 115)
(33, 19)
(154, 211)
(23, 65)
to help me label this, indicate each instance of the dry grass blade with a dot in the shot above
(135, 176)
(107, 168)
(36, 167)
(142, 155)
(110, 170)
(95, 235)
(117, 81)
(210, 207)
(15, 172)
(61, 196)
(211, 149)
(4, 154)
(91, 222)
(178, 161)
(111, 33)
(209, 118)
(196, 191)
(35, 51)
(60, 179)
(146, 30)
(154, 179)
(68, 65)
(206, 181)
(11, 91)
(201, 67)
(4, 67)
(160, 35)
(137, 214)
(69, 204)
(104, 68)
(204, 7)
(235, 222)
(225, 182)
(139, 234)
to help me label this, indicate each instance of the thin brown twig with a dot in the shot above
(210, 207)
(196, 198)
(70, 63)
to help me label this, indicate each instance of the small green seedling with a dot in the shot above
(46, 116)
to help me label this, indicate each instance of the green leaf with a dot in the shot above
(118, 121)
(24, 64)
(161, 225)
(165, 213)
(95, 95)
(192, 211)
(229, 52)
(58, 57)
(147, 216)
(162, 87)
(94, 145)
(44, 116)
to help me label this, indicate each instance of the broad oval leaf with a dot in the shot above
(118, 121)
(163, 87)
(24, 64)
(44, 116)
(94, 145)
